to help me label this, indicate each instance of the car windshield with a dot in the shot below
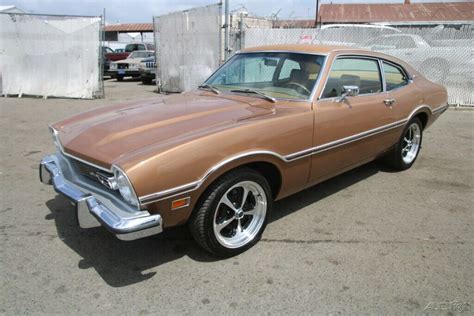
(277, 75)
(137, 54)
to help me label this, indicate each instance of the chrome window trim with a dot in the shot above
(382, 75)
(400, 67)
(281, 51)
(316, 84)
(381, 60)
(342, 56)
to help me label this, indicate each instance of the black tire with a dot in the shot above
(119, 77)
(394, 158)
(202, 223)
(147, 80)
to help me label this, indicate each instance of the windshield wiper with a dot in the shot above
(209, 87)
(263, 95)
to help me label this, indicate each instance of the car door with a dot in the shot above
(352, 130)
(396, 81)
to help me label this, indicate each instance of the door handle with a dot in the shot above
(389, 101)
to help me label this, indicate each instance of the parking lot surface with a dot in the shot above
(368, 241)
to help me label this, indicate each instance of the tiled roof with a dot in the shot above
(390, 12)
(130, 27)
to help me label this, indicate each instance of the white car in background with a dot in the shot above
(129, 67)
(434, 59)
(350, 34)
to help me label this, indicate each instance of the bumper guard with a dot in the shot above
(91, 208)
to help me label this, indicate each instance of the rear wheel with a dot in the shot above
(233, 213)
(147, 80)
(404, 155)
(119, 77)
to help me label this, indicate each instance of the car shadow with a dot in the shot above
(324, 189)
(129, 79)
(122, 263)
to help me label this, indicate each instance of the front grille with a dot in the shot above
(150, 64)
(93, 173)
(122, 66)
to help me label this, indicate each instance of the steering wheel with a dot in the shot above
(299, 85)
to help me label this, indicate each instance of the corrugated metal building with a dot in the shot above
(412, 13)
(389, 13)
(113, 31)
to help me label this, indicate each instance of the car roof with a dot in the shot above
(301, 48)
(326, 50)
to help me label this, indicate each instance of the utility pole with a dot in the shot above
(317, 13)
(226, 31)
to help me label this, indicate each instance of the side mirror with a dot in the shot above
(348, 91)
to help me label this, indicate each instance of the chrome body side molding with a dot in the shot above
(189, 187)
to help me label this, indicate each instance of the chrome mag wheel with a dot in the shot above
(411, 143)
(240, 214)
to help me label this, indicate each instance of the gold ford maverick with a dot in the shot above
(270, 122)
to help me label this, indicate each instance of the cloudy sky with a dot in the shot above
(143, 10)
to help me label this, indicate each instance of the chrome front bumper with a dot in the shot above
(95, 206)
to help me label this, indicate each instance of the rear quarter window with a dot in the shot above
(395, 77)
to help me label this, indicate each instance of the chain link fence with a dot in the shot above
(188, 47)
(442, 53)
(50, 55)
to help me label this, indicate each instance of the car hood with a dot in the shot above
(106, 135)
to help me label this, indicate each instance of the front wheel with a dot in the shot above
(406, 151)
(233, 213)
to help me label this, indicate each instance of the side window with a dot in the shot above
(131, 48)
(363, 73)
(394, 76)
(287, 67)
(140, 47)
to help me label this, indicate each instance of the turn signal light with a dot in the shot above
(176, 204)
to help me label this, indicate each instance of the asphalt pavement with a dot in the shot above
(368, 241)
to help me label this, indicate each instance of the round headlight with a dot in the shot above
(125, 187)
